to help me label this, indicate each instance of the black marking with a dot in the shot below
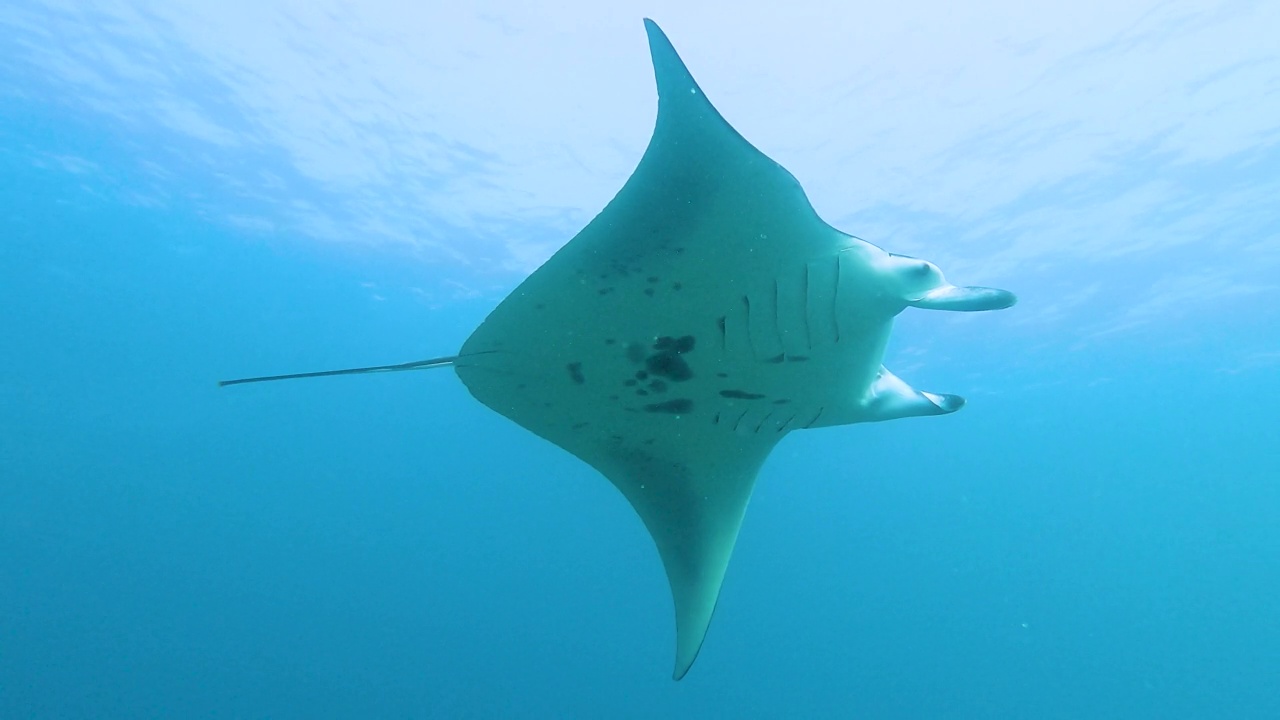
(642, 393)
(668, 365)
(797, 358)
(679, 406)
(539, 306)
(777, 358)
(666, 362)
(782, 401)
(815, 418)
(677, 286)
(682, 344)
(658, 386)
(740, 395)
(575, 372)
(609, 341)
(722, 375)
(604, 291)
(784, 425)
(716, 420)
(653, 278)
(720, 324)
(642, 375)
(762, 422)
(738, 422)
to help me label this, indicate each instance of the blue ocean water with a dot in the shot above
(1094, 536)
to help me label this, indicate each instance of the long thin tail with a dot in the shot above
(418, 365)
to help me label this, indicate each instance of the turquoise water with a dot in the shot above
(1094, 536)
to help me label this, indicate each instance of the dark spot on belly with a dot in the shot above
(782, 401)
(658, 386)
(740, 395)
(630, 383)
(648, 291)
(776, 358)
(642, 392)
(604, 291)
(797, 358)
(666, 361)
(680, 406)
(680, 345)
(575, 373)
(642, 375)
(668, 365)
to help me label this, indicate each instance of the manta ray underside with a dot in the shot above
(705, 313)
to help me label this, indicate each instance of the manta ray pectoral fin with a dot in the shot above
(415, 365)
(890, 398)
(691, 495)
(965, 299)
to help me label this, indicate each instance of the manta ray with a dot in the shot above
(703, 315)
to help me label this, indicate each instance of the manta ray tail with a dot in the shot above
(416, 365)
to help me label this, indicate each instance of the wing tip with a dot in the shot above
(691, 634)
(674, 80)
(683, 664)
